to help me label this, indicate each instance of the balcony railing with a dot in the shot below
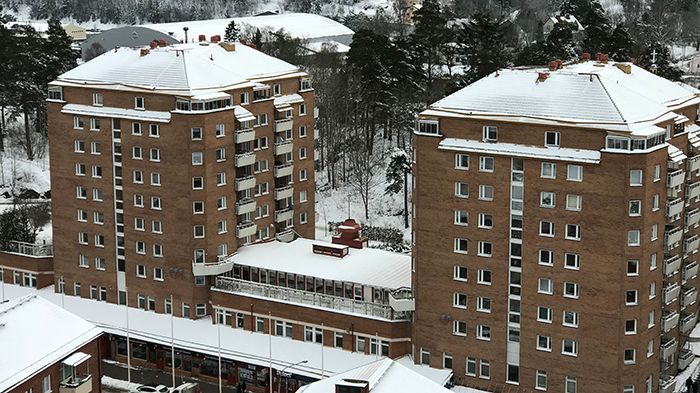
(671, 292)
(685, 358)
(284, 147)
(221, 266)
(694, 163)
(245, 206)
(672, 265)
(245, 183)
(691, 244)
(690, 270)
(673, 237)
(675, 178)
(336, 303)
(245, 135)
(689, 297)
(284, 169)
(246, 229)
(692, 217)
(668, 346)
(667, 384)
(693, 190)
(30, 249)
(669, 320)
(688, 323)
(284, 214)
(77, 384)
(284, 192)
(245, 159)
(674, 208)
(283, 125)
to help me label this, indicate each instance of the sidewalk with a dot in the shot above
(157, 377)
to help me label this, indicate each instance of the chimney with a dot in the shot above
(144, 51)
(604, 58)
(243, 41)
(349, 235)
(154, 44)
(552, 65)
(202, 38)
(215, 39)
(560, 64)
(624, 67)
(162, 43)
(586, 56)
(542, 76)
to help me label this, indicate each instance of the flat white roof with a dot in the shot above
(122, 113)
(35, 333)
(368, 266)
(76, 359)
(192, 335)
(512, 149)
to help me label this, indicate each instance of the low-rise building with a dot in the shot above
(27, 264)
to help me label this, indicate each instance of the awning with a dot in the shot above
(283, 103)
(76, 359)
(675, 155)
(242, 114)
(681, 119)
(260, 86)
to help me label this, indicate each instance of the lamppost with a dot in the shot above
(279, 385)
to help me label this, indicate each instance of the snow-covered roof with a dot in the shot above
(121, 113)
(587, 94)
(191, 335)
(297, 25)
(382, 376)
(368, 266)
(185, 69)
(35, 334)
(511, 149)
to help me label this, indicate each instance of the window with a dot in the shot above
(544, 343)
(277, 89)
(490, 133)
(141, 271)
(82, 238)
(283, 329)
(635, 177)
(155, 155)
(156, 203)
(138, 177)
(574, 173)
(221, 203)
(635, 208)
(222, 227)
(571, 290)
(156, 226)
(461, 217)
(197, 183)
(486, 164)
(573, 202)
(79, 146)
(244, 97)
(220, 130)
(140, 247)
(96, 171)
(485, 249)
(158, 274)
(549, 170)
(569, 347)
(657, 172)
(55, 93)
(462, 161)
(198, 231)
(484, 369)
(98, 218)
(547, 199)
(96, 194)
(551, 138)
(155, 179)
(570, 385)
(631, 297)
(545, 286)
(80, 169)
(632, 267)
(541, 380)
(572, 261)
(461, 245)
(459, 300)
(546, 257)
(78, 122)
(136, 128)
(650, 348)
(627, 388)
(157, 250)
(655, 203)
(471, 367)
(95, 148)
(197, 158)
(573, 232)
(138, 200)
(136, 153)
(630, 327)
(302, 175)
(94, 124)
(201, 310)
(428, 127)
(654, 232)
(424, 356)
(633, 238)
(483, 332)
(484, 277)
(570, 319)
(459, 328)
(303, 218)
(46, 381)
(82, 215)
(483, 304)
(485, 192)
(485, 221)
(83, 261)
(196, 133)
(139, 103)
(459, 273)
(652, 290)
(544, 314)
(302, 153)
(303, 196)
(546, 228)
(221, 179)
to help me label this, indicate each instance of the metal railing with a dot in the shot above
(234, 285)
(31, 249)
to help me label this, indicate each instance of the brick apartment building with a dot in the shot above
(166, 159)
(557, 249)
(64, 360)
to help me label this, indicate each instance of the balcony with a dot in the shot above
(691, 244)
(245, 159)
(685, 358)
(669, 321)
(671, 292)
(29, 249)
(402, 300)
(693, 191)
(692, 217)
(674, 207)
(667, 384)
(673, 237)
(284, 193)
(284, 147)
(688, 323)
(675, 178)
(284, 214)
(690, 270)
(668, 347)
(694, 163)
(245, 183)
(223, 265)
(246, 135)
(245, 206)
(312, 299)
(246, 229)
(689, 297)
(672, 265)
(77, 374)
(76, 384)
(286, 235)
(284, 125)
(284, 169)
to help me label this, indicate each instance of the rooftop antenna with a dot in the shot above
(349, 207)
(185, 29)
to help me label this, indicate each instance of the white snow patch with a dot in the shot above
(118, 384)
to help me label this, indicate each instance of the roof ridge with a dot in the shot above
(607, 93)
(384, 368)
(184, 66)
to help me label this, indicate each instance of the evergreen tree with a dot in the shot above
(232, 32)
(258, 39)
(656, 57)
(560, 42)
(15, 226)
(483, 50)
(577, 8)
(597, 28)
(7, 71)
(396, 176)
(430, 34)
(620, 46)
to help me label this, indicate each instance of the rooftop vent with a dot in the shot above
(349, 234)
(334, 250)
(144, 51)
(228, 46)
(542, 76)
(624, 67)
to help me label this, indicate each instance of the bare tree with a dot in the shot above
(363, 165)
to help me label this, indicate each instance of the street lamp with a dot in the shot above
(279, 385)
